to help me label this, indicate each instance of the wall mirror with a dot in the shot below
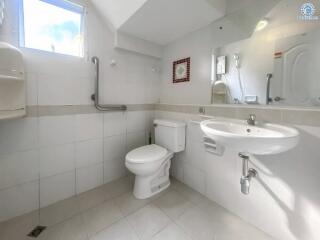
(278, 65)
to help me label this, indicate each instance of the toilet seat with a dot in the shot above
(146, 154)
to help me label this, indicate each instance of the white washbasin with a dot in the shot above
(262, 139)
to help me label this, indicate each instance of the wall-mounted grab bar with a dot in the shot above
(95, 96)
(268, 98)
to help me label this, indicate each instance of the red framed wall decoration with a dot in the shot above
(181, 70)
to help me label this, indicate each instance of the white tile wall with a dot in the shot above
(22, 166)
(56, 130)
(195, 154)
(114, 147)
(19, 200)
(74, 154)
(194, 132)
(56, 89)
(89, 126)
(135, 140)
(54, 79)
(114, 169)
(150, 115)
(32, 89)
(176, 170)
(56, 188)
(83, 94)
(194, 178)
(136, 121)
(56, 160)
(114, 157)
(114, 124)
(275, 197)
(127, 83)
(89, 177)
(89, 152)
(18, 135)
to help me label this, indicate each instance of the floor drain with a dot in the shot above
(36, 231)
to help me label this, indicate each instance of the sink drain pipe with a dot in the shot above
(247, 174)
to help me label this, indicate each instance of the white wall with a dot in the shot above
(198, 46)
(160, 22)
(284, 201)
(63, 80)
(118, 12)
(49, 157)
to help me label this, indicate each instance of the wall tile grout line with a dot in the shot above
(38, 147)
(215, 110)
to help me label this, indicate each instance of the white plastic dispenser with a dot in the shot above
(12, 82)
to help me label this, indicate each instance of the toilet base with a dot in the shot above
(146, 187)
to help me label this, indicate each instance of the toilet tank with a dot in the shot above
(170, 134)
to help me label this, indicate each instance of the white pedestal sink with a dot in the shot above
(261, 139)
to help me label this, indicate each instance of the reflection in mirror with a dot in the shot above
(277, 65)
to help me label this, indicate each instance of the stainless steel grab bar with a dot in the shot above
(268, 98)
(95, 96)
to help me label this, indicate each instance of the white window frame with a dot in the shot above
(73, 6)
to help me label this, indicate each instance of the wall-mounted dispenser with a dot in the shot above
(12, 82)
(221, 65)
(219, 92)
(2, 8)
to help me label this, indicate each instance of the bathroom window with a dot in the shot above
(53, 26)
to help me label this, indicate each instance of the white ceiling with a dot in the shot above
(163, 21)
(117, 12)
(160, 21)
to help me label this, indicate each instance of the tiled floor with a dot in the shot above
(111, 212)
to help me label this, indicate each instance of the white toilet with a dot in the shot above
(151, 163)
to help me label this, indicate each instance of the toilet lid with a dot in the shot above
(145, 154)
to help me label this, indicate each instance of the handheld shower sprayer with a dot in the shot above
(236, 57)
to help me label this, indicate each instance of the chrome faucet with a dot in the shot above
(252, 120)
